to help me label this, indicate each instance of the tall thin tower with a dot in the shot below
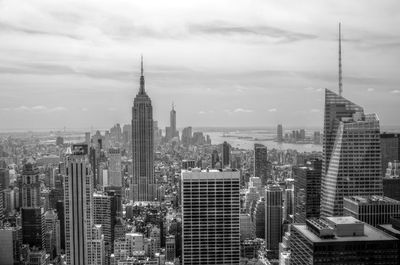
(143, 186)
(340, 62)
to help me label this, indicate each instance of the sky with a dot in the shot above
(76, 64)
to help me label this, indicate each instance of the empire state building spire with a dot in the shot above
(141, 91)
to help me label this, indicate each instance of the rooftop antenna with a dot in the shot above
(340, 62)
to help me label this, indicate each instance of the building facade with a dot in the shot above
(210, 217)
(273, 219)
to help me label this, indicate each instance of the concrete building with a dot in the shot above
(78, 205)
(10, 245)
(247, 229)
(225, 155)
(373, 210)
(210, 217)
(390, 149)
(349, 135)
(279, 133)
(114, 167)
(30, 185)
(170, 248)
(273, 219)
(102, 208)
(33, 227)
(259, 218)
(143, 186)
(261, 167)
(52, 231)
(307, 191)
(341, 240)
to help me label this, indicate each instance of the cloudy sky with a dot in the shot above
(223, 63)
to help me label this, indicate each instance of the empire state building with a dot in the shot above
(143, 186)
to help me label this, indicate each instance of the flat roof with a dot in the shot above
(390, 228)
(373, 199)
(370, 234)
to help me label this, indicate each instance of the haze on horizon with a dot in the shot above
(223, 63)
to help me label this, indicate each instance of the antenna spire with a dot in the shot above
(141, 90)
(340, 62)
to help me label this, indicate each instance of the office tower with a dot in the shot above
(172, 121)
(247, 229)
(114, 167)
(210, 217)
(341, 240)
(52, 232)
(214, 159)
(225, 155)
(102, 205)
(78, 190)
(33, 227)
(251, 196)
(284, 249)
(4, 178)
(30, 185)
(288, 204)
(279, 133)
(259, 218)
(307, 190)
(87, 138)
(256, 183)
(10, 245)
(186, 164)
(60, 214)
(373, 210)
(390, 149)
(97, 253)
(273, 219)
(143, 185)
(261, 163)
(187, 136)
(352, 155)
(170, 248)
(391, 185)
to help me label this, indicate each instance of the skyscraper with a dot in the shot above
(273, 219)
(143, 181)
(210, 217)
(187, 136)
(172, 121)
(351, 153)
(30, 185)
(307, 191)
(78, 190)
(390, 149)
(261, 162)
(279, 133)
(33, 227)
(114, 167)
(102, 206)
(225, 155)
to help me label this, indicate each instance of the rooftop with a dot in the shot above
(374, 199)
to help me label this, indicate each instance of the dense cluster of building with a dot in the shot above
(134, 195)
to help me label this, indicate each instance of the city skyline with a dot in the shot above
(232, 72)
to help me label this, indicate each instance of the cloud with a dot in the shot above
(370, 89)
(112, 109)
(396, 91)
(315, 110)
(84, 109)
(37, 108)
(243, 110)
(273, 110)
(201, 112)
(225, 28)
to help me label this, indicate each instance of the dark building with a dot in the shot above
(261, 165)
(391, 188)
(279, 133)
(307, 191)
(225, 155)
(33, 227)
(390, 149)
(59, 140)
(186, 164)
(259, 218)
(214, 159)
(60, 214)
(341, 240)
(4, 178)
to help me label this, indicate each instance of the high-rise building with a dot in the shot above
(96, 253)
(279, 133)
(352, 159)
(4, 178)
(261, 163)
(214, 159)
(61, 217)
(373, 210)
(390, 149)
(273, 219)
(341, 240)
(78, 205)
(30, 185)
(114, 167)
(391, 187)
(33, 227)
(307, 190)
(52, 234)
(143, 186)
(170, 248)
(247, 229)
(172, 121)
(259, 218)
(210, 217)
(225, 155)
(187, 136)
(102, 205)
(10, 245)
(186, 164)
